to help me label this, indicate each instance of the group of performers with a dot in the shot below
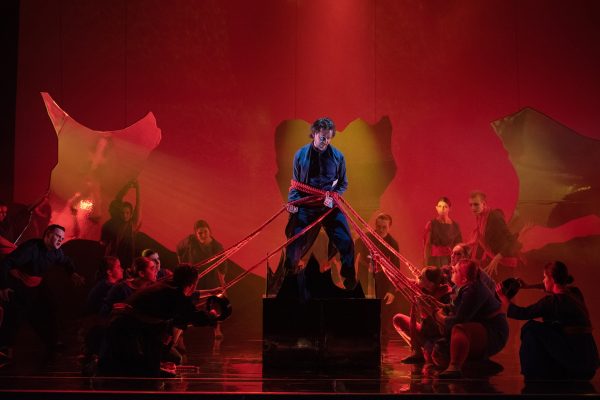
(145, 313)
(121, 333)
(473, 324)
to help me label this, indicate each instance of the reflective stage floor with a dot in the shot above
(233, 368)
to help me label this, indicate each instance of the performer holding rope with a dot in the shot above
(320, 166)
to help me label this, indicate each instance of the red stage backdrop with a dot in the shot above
(220, 77)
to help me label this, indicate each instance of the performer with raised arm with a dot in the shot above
(323, 167)
(118, 233)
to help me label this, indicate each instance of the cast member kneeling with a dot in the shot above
(140, 332)
(476, 326)
(562, 346)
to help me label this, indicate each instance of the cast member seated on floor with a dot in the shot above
(562, 346)
(139, 333)
(198, 247)
(476, 326)
(118, 233)
(424, 334)
(24, 291)
(145, 274)
(441, 235)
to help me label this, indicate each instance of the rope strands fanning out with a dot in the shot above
(406, 286)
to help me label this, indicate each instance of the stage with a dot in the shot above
(233, 368)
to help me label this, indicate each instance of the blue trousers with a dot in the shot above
(337, 229)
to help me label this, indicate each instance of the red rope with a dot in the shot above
(225, 254)
(290, 240)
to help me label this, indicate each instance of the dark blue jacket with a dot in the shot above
(336, 171)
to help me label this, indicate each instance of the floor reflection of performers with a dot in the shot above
(476, 326)
(323, 167)
(24, 291)
(138, 334)
(562, 346)
(118, 233)
(441, 235)
(493, 244)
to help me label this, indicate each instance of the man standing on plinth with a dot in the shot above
(321, 166)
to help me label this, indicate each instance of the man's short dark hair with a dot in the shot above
(321, 124)
(201, 224)
(477, 193)
(184, 275)
(386, 217)
(53, 227)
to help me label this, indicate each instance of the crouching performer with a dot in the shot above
(424, 334)
(141, 332)
(476, 325)
(562, 346)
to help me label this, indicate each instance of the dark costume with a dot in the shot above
(118, 293)
(190, 251)
(425, 334)
(562, 346)
(475, 302)
(118, 237)
(96, 296)
(380, 280)
(34, 303)
(491, 236)
(440, 238)
(136, 334)
(324, 170)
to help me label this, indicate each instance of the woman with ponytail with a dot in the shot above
(562, 346)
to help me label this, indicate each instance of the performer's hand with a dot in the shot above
(292, 209)
(500, 293)
(388, 298)
(439, 316)
(328, 202)
(5, 294)
(77, 279)
(503, 299)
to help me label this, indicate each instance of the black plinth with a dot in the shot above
(321, 333)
